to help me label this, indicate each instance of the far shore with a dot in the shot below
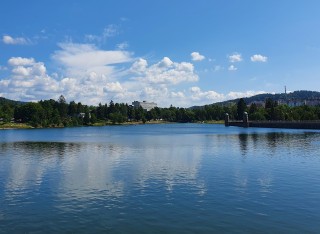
(6, 126)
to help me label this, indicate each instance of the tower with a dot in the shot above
(285, 90)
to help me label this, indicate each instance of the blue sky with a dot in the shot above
(182, 53)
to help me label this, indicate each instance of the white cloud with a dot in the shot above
(196, 56)
(123, 46)
(234, 58)
(19, 61)
(28, 81)
(217, 68)
(153, 93)
(24, 67)
(195, 89)
(234, 95)
(91, 37)
(87, 55)
(165, 63)
(111, 30)
(259, 58)
(6, 39)
(139, 66)
(90, 75)
(178, 95)
(3, 68)
(113, 87)
(199, 96)
(164, 72)
(232, 68)
(81, 59)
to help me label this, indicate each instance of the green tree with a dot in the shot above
(86, 119)
(117, 117)
(32, 113)
(241, 108)
(72, 109)
(62, 107)
(6, 112)
(269, 106)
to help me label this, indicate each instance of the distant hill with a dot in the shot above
(296, 95)
(8, 101)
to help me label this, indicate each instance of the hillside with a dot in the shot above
(296, 95)
(4, 101)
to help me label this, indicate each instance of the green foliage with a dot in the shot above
(117, 117)
(300, 95)
(52, 113)
(6, 112)
(241, 108)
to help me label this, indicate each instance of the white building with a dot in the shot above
(145, 105)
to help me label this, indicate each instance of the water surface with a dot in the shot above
(172, 178)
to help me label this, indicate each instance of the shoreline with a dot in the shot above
(8, 126)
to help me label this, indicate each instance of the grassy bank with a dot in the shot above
(14, 126)
(214, 122)
(104, 123)
(130, 123)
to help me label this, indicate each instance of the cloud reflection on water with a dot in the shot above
(88, 171)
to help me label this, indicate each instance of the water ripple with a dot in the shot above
(144, 179)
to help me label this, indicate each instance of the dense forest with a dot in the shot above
(59, 113)
(296, 95)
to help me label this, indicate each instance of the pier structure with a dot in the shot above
(245, 123)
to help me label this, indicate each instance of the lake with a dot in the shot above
(167, 178)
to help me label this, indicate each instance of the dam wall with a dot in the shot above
(272, 124)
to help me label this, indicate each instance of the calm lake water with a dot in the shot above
(171, 178)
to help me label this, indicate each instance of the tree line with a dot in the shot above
(273, 111)
(59, 113)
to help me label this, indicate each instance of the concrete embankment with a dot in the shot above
(272, 124)
(276, 124)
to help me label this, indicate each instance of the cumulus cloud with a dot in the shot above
(139, 66)
(164, 72)
(114, 87)
(28, 81)
(165, 63)
(259, 58)
(27, 67)
(235, 95)
(6, 39)
(205, 96)
(153, 93)
(199, 97)
(232, 68)
(196, 56)
(19, 61)
(178, 94)
(234, 58)
(91, 75)
(86, 74)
